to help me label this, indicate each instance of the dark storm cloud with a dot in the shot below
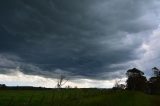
(83, 37)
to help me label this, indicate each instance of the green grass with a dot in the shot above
(76, 97)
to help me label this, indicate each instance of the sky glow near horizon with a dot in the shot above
(92, 42)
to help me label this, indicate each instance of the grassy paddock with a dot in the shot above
(76, 97)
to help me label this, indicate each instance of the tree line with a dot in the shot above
(138, 82)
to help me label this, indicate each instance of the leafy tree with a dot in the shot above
(136, 80)
(154, 82)
(2, 86)
(156, 72)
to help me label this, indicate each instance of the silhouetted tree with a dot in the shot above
(156, 72)
(154, 82)
(118, 85)
(136, 80)
(68, 86)
(2, 86)
(61, 81)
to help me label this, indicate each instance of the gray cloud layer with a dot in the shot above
(82, 37)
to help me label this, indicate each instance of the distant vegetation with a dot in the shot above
(138, 82)
(138, 91)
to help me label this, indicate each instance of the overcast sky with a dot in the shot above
(92, 42)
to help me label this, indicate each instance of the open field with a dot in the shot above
(76, 97)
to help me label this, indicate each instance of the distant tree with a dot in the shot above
(75, 87)
(68, 86)
(154, 82)
(61, 81)
(156, 72)
(134, 72)
(2, 86)
(136, 80)
(118, 85)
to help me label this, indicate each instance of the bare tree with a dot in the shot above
(118, 85)
(61, 81)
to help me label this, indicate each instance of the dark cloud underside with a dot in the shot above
(83, 37)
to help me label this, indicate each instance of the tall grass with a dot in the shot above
(76, 97)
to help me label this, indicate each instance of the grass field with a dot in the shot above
(76, 97)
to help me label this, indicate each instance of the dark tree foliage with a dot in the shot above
(156, 72)
(136, 80)
(137, 83)
(134, 72)
(154, 82)
(2, 86)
